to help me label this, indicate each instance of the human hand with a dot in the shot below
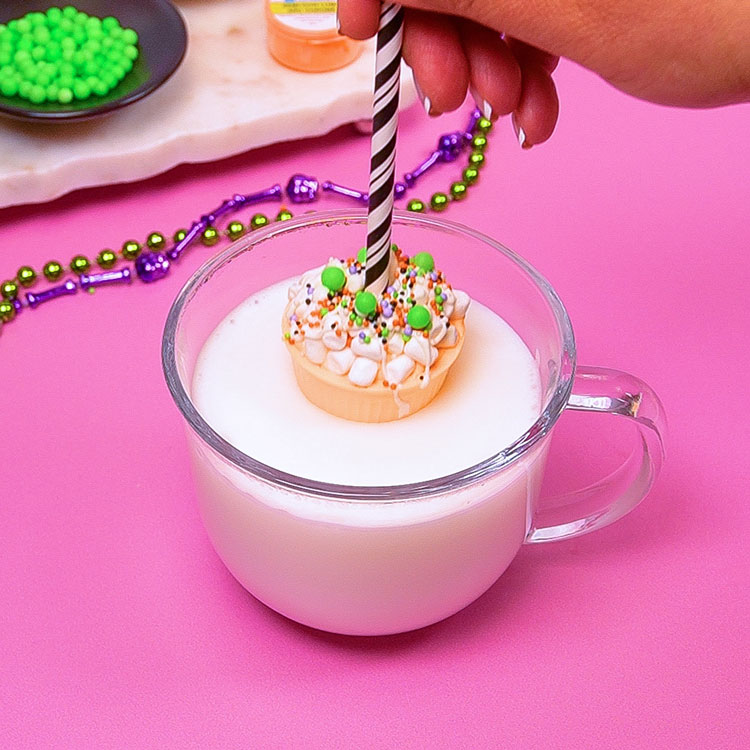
(676, 52)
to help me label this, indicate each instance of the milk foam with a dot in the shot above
(245, 389)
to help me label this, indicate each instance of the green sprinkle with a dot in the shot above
(352, 316)
(358, 321)
(323, 312)
(365, 303)
(405, 336)
(367, 339)
(439, 299)
(287, 335)
(424, 261)
(345, 302)
(438, 290)
(419, 317)
(333, 278)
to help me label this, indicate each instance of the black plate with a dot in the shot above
(162, 41)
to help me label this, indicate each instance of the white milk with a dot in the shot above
(364, 567)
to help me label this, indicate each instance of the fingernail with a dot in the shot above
(484, 106)
(520, 134)
(426, 103)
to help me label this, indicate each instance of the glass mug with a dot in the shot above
(378, 560)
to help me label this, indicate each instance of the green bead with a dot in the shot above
(479, 142)
(458, 190)
(80, 264)
(9, 290)
(470, 175)
(258, 221)
(131, 250)
(26, 276)
(424, 261)
(156, 241)
(179, 235)
(210, 236)
(333, 278)
(7, 311)
(476, 159)
(362, 256)
(484, 125)
(235, 230)
(416, 205)
(284, 215)
(52, 270)
(106, 259)
(365, 303)
(418, 317)
(439, 202)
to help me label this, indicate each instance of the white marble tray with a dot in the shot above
(228, 96)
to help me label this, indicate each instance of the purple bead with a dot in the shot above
(151, 266)
(408, 330)
(332, 187)
(433, 276)
(387, 312)
(412, 274)
(34, 300)
(122, 276)
(362, 335)
(352, 269)
(302, 189)
(450, 146)
(399, 189)
(18, 305)
(391, 289)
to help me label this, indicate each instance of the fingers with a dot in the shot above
(536, 115)
(433, 50)
(359, 19)
(495, 75)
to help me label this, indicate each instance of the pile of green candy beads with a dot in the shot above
(64, 54)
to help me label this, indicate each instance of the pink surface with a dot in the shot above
(121, 628)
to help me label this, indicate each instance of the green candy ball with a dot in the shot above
(439, 202)
(333, 278)
(365, 303)
(458, 190)
(362, 256)
(424, 261)
(416, 205)
(418, 317)
(470, 175)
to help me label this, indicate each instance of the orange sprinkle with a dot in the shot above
(393, 386)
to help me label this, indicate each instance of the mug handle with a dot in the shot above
(604, 391)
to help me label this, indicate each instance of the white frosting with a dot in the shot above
(339, 361)
(419, 348)
(397, 370)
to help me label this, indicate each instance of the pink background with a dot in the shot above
(121, 628)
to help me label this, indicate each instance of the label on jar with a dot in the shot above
(305, 15)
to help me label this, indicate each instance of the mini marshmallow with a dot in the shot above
(363, 371)
(398, 369)
(462, 303)
(373, 350)
(339, 362)
(418, 351)
(437, 331)
(450, 338)
(315, 351)
(395, 345)
(333, 341)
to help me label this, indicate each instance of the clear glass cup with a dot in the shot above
(378, 560)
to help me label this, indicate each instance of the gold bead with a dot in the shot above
(156, 241)
(80, 264)
(458, 190)
(52, 270)
(484, 125)
(9, 289)
(26, 276)
(284, 215)
(479, 142)
(235, 230)
(106, 259)
(416, 205)
(470, 175)
(439, 201)
(7, 311)
(258, 221)
(179, 235)
(210, 236)
(476, 159)
(131, 249)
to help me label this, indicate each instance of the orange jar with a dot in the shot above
(302, 35)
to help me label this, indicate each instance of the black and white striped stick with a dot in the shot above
(383, 159)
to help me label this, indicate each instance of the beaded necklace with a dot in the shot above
(151, 260)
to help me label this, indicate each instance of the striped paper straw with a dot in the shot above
(383, 159)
